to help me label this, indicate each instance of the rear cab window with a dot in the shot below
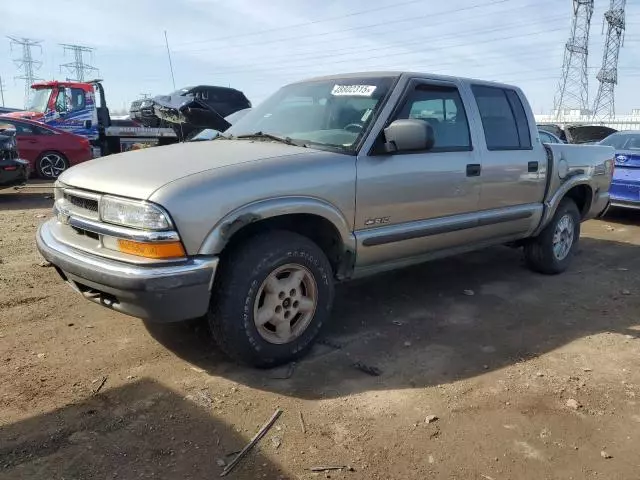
(504, 119)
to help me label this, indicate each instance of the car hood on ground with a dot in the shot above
(139, 173)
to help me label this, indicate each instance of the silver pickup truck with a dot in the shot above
(327, 180)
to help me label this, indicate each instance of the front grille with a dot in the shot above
(83, 203)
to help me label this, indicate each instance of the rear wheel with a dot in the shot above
(51, 164)
(552, 251)
(272, 296)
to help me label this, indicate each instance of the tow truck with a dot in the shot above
(72, 106)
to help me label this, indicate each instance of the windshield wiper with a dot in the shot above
(268, 136)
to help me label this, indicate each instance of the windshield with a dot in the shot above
(39, 101)
(331, 114)
(623, 141)
(180, 93)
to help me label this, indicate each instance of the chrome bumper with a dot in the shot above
(161, 292)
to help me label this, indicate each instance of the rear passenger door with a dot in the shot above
(514, 162)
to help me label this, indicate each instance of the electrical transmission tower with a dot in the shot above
(78, 68)
(573, 90)
(26, 63)
(604, 105)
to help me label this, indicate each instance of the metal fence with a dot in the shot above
(619, 123)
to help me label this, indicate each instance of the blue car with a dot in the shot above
(625, 188)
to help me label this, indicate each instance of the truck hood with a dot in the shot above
(37, 116)
(139, 173)
(587, 133)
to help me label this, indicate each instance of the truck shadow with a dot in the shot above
(443, 321)
(141, 430)
(624, 216)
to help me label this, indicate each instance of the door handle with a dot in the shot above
(473, 170)
(532, 167)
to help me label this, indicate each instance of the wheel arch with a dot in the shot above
(579, 189)
(314, 218)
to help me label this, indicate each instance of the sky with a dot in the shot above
(258, 46)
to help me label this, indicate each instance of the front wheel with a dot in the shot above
(271, 297)
(51, 164)
(552, 251)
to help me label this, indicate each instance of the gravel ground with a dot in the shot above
(488, 371)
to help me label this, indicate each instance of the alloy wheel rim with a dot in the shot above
(52, 165)
(563, 237)
(285, 304)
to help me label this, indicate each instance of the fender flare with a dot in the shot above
(221, 233)
(551, 205)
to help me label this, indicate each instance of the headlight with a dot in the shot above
(146, 103)
(130, 213)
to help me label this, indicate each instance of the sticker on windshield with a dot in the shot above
(353, 90)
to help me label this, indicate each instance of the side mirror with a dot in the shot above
(408, 135)
(87, 124)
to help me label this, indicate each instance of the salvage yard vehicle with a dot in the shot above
(48, 150)
(73, 107)
(223, 100)
(329, 179)
(625, 187)
(13, 170)
(189, 110)
(578, 134)
(548, 137)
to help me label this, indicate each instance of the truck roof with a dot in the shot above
(58, 83)
(392, 73)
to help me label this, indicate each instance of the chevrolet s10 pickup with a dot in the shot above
(329, 179)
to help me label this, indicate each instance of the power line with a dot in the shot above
(604, 105)
(306, 24)
(413, 40)
(387, 57)
(78, 68)
(429, 16)
(431, 43)
(26, 63)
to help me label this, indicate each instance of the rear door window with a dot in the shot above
(503, 117)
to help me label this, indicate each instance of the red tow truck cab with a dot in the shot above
(81, 108)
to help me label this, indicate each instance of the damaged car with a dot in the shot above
(13, 170)
(578, 134)
(190, 108)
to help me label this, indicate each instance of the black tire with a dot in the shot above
(539, 252)
(48, 163)
(238, 282)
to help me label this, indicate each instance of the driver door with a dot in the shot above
(418, 202)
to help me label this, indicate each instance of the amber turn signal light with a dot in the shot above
(160, 250)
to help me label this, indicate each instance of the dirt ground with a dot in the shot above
(530, 377)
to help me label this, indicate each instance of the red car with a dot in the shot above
(49, 151)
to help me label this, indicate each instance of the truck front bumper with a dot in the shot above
(160, 293)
